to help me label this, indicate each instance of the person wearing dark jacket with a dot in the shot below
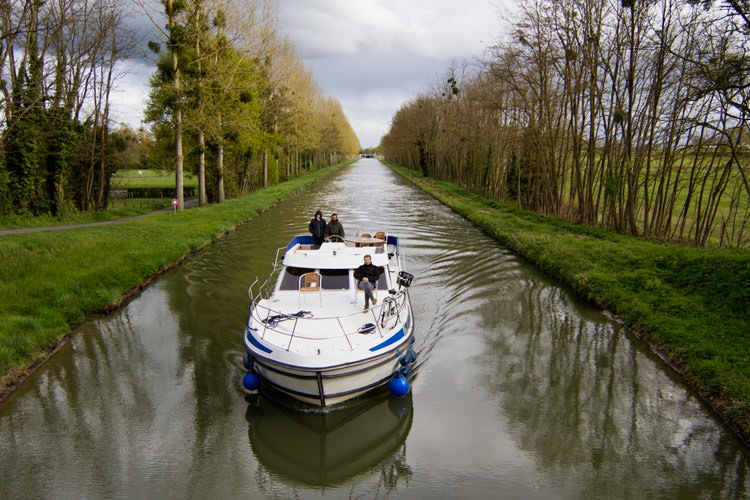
(318, 228)
(334, 228)
(368, 275)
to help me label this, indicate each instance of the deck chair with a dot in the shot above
(309, 283)
(380, 235)
(364, 235)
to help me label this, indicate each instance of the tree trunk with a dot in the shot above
(179, 191)
(265, 169)
(220, 168)
(202, 198)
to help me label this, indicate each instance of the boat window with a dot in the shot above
(291, 277)
(334, 279)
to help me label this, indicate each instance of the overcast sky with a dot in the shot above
(371, 55)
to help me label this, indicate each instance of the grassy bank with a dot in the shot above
(691, 305)
(50, 281)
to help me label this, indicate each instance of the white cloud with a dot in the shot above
(128, 100)
(432, 29)
(375, 55)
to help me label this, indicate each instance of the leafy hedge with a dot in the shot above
(154, 192)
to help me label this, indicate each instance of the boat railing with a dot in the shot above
(380, 320)
(395, 250)
(399, 256)
(257, 290)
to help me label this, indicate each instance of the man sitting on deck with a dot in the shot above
(368, 275)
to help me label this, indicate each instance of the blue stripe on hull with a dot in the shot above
(395, 338)
(257, 344)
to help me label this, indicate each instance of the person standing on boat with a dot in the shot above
(368, 275)
(334, 228)
(317, 227)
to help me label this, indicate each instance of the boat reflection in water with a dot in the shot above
(322, 447)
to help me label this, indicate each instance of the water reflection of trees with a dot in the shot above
(598, 412)
(103, 406)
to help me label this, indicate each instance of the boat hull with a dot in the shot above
(330, 385)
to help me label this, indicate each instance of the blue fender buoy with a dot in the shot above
(251, 381)
(408, 358)
(398, 386)
(247, 361)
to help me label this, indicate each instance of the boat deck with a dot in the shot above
(325, 323)
(304, 327)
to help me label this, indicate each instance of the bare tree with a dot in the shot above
(631, 115)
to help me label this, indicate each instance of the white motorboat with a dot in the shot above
(308, 334)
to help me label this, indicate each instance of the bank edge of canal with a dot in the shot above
(553, 247)
(177, 235)
(657, 290)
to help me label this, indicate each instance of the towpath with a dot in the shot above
(188, 204)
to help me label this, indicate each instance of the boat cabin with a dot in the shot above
(335, 262)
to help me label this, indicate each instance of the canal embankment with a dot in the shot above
(690, 305)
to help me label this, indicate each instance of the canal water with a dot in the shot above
(521, 391)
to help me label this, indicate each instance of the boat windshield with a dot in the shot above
(334, 279)
(290, 281)
(331, 279)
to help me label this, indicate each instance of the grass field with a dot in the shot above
(123, 179)
(732, 210)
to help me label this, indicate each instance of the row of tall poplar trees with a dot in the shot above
(630, 115)
(231, 100)
(233, 97)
